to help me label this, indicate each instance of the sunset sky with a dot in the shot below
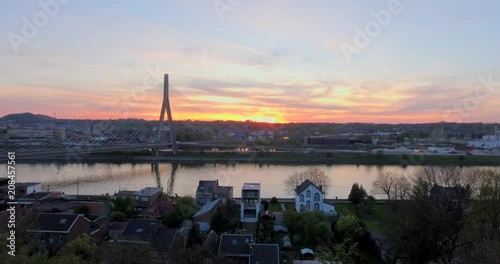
(274, 61)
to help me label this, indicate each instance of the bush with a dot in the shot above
(274, 200)
(118, 216)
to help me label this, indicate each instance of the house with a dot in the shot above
(206, 213)
(235, 247)
(95, 209)
(209, 190)
(240, 248)
(54, 231)
(22, 189)
(156, 211)
(146, 198)
(211, 243)
(250, 202)
(115, 229)
(165, 239)
(449, 198)
(224, 192)
(138, 231)
(264, 254)
(99, 229)
(33, 199)
(205, 191)
(310, 197)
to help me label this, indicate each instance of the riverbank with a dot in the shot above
(282, 158)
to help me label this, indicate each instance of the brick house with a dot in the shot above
(54, 231)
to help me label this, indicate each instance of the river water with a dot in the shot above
(102, 178)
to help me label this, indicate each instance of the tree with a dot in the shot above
(173, 219)
(357, 194)
(118, 216)
(384, 184)
(314, 174)
(123, 204)
(393, 185)
(311, 226)
(194, 236)
(433, 224)
(82, 248)
(82, 209)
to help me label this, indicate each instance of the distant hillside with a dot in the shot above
(27, 117)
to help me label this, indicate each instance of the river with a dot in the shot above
(102, 178)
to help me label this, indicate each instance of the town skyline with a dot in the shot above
(276, 62)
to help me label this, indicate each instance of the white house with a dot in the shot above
(310, 197)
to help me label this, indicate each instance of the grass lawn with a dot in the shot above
(275, 207)
(372, 221)
(344, 208)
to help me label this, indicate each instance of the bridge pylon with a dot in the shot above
(165, 105)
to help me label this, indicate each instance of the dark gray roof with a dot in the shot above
(149, 191)
(125, 194)
(208, 207)
(235, 245)
(304, 186)
(163, 238)
(102, 220)
(57, 223)
(224, 189)
(26, 184)
(212, 243)
(36, 195)
(206, 186)
(265, 254)
(139, 229)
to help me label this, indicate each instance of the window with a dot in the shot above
(302, 207)
(316, 197)
(301, 198)
(42, 240)
(60, 240)
(308, 194)
(51, 240)
(316, 207)
(308, 205)
(136, 197)
(144, 198)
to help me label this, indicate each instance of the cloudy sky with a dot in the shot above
(277, 61)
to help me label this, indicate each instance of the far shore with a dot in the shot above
(279, 158)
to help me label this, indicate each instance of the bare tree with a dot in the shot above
(314, 174)
(384, 184)
(401, 188)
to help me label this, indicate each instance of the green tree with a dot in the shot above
(82, 209)
(173, 219)
(118, 216)
(357, 194)
(123, 204)
(82, 247)
(194, 236)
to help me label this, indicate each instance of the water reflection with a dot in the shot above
(101, 178)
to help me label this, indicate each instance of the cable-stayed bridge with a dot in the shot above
(112, 129)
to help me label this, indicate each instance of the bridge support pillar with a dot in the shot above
(166, 106)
